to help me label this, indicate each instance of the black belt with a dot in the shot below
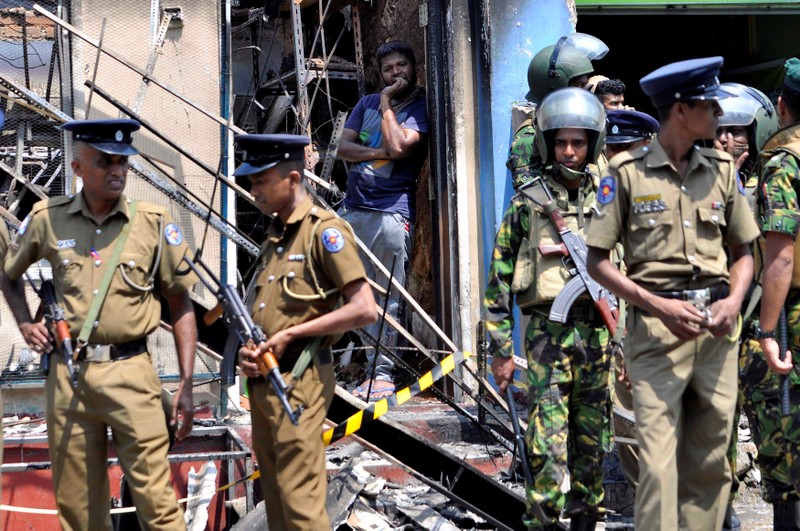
(112, 352)
(289, 358)
(714, 293)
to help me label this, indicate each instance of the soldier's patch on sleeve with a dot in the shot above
(332, 240)
(607, 190)
(173, 234)
(24, 225)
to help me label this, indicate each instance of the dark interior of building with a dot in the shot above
(754, 46)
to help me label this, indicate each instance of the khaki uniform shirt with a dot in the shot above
(313, 244)
(62, 231)
(672, 229)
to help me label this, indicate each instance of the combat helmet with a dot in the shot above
(750, 108)
(554, 66)
(573, 108)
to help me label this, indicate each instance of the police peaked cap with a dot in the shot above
(261, 152)
(627, 125)
(109, 136)
(694, 79)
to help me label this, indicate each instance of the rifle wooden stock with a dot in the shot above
(213, 314)
(610, 317)
(553, 249)
(64, 339)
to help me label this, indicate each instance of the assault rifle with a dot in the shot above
(574, 251)
(57, 322)
(234, 312)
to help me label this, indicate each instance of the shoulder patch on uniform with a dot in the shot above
(24, 225)
(607, 190)
(332, 240)
(173, 234)
(715, 154)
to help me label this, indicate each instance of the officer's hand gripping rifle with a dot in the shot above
(56, 321)
(574, 248)
(236, 317)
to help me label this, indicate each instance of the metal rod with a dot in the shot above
(78, 33)
(150, 127)
(96, 65)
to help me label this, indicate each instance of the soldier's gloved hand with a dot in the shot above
(503, 371)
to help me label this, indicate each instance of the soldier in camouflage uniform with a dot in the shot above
(779, 218)
(568, 63)
(747, 121)
(568, 365)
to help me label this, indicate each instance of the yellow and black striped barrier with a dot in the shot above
(380, 408)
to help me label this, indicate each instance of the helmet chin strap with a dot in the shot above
(570, 175)
(573, 175)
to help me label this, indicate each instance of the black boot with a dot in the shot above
(731, 522)
(582, 522)
(786, 516)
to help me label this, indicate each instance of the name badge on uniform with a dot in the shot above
(646, 204)
(333, 240)
(173, 234)
(65, 244)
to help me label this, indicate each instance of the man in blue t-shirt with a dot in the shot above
(384, 140)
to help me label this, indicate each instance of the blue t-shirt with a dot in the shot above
(386, 185)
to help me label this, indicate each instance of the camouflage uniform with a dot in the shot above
(746, 382)
(568, 367)
(524, 160)
(777, 438)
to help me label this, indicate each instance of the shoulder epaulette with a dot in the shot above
(150, 208)
(321, 213)
(712, 153)
(626, 157)
(51, 202)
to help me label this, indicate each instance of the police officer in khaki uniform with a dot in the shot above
(673, 206)
(117, 386)
(311, 287)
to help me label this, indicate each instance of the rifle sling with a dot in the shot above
(755, 298)
(304, 360)
(102, 290)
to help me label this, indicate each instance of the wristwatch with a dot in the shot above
(764, 334)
